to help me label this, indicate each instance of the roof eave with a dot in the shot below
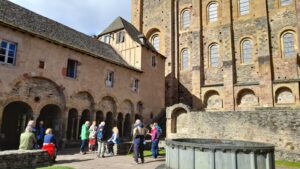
(68, 46)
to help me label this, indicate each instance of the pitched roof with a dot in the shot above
(25, 20)
(119, 24)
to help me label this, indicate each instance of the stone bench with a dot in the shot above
(17, 159)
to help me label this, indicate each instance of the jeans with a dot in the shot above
(138, 151)
(101, 148)
(154, 148)
(84, 143)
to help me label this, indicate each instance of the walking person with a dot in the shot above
(27, 139)
(92, 136)
(154, 141)
(100, 140)
(139, 133)
(113, 140)
(84, 136)
(49, 144)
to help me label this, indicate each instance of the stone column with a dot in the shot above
(78, 127)
(298, 18)
(228, 55)
(264, 56)
(72, 128)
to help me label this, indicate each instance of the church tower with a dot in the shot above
(137, 14)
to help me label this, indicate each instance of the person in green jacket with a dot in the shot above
(27, 139)
(84, 136)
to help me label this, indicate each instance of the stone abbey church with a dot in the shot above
(225, 55)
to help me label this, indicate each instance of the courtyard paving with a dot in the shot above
(72, 158)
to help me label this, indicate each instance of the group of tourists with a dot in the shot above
(38, 138)
(92, 136)
(139, 134)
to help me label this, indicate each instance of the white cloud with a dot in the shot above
(88, 16)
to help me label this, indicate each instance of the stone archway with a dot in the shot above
(120, 124)
(284, 95)
(127, 126)
(14, 121)
(247, 98)
(109, 120)
(52, 116)
(137, 116)
(213, 100)
(72, 124)
(85, 116)
(179, 120)
(99, 117)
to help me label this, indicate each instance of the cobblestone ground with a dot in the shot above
(72, 158)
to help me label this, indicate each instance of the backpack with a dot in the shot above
(159, 131)
(100, 135)
(117, 140)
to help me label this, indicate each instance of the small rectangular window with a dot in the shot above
(153, 61)
(120, 37)
(110, 79)
(42, 65)
(107, 38)
(285, 2)
(135, 86)
(244, 7)
(8, 52)
(72, 68)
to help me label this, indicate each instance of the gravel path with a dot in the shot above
(72, 158)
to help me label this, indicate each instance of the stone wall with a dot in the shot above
(280, 127)
(24, 159)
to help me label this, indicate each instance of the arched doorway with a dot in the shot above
(137, 116)
(86, 116)
(108, 125)
(72, 124)
(120, 124)
(99, 117)
(127, 126)
(15, 118)
(52, 117)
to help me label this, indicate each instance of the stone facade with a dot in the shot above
(263, 24)
(280, 127)
(37, 85)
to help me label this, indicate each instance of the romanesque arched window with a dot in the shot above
(244, 7)
(185, 59)
(285, 2)
(288, 44)
(246, 51)
(213, 12)
(214, 55)
(186, 19)
(155, 41)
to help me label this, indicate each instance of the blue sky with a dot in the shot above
(87, 16)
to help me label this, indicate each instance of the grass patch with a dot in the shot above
(148, 153)
(295, 165)
(56, 167)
